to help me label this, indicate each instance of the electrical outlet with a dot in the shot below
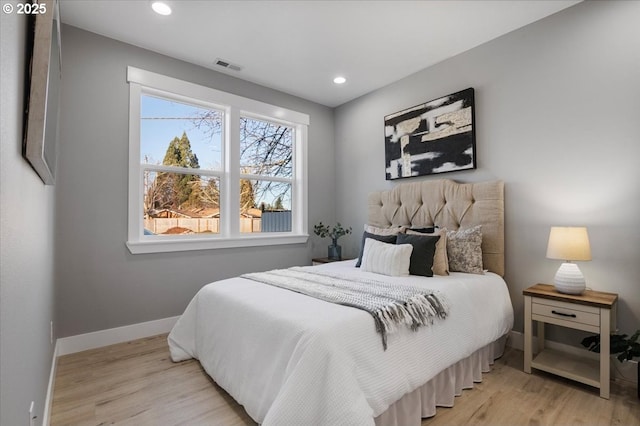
(32, 416)
(51, 332)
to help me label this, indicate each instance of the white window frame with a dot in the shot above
(146, 82)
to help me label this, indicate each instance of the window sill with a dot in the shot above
(163, 246)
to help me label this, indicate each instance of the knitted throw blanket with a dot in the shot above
(391, 305)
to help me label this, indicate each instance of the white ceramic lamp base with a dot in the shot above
(569, 279)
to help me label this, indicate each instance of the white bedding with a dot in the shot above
(290, 359)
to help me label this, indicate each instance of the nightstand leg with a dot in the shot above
(605, 349)
(528, 337)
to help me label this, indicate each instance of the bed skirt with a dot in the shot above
(443, 388)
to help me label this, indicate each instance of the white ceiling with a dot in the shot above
(298, 47)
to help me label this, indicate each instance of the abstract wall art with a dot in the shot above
(434, 137)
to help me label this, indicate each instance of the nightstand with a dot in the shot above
(592, 311)
(320, 260)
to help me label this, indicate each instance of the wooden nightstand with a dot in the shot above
(320, 260)
(593, 311)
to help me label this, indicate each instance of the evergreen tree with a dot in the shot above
(247, 198)
(179, 153)
(279, 205)
(179, 190)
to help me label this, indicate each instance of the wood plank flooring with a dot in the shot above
(135, 383)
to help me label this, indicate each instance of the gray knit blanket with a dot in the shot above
(390, 305)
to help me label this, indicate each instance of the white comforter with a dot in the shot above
(290, 359)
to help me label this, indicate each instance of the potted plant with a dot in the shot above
(626, 347)
(335, 232)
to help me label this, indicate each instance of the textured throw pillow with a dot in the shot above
(386, 259)
(464, 249)
(440, 261)
(391, 239)
(424, 248)
(395, 230)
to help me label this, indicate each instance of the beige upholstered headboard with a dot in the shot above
(450, 205)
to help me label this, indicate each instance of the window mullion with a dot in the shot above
(182, 170)
(232, 173)
(268, 178)
(300, 192)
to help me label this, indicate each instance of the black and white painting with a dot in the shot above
(435, 137)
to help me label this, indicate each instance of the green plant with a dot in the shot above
(627, 347)
(334, 232)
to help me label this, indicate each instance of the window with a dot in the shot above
(208, 169)
(266, 172)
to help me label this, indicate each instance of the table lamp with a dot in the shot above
(569, 243)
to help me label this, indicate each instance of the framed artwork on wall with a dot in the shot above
(434, 137)
(39, 146)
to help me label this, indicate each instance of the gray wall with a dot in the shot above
(101, 285)
(26, 246)
(558, 119)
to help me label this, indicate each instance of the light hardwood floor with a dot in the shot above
(135, 383)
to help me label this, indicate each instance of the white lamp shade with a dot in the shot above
(568, 243)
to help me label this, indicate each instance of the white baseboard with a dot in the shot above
(98, 339)
(46, 416)
(516, 340)
(623, 371)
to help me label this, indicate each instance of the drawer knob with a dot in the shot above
(563, 314)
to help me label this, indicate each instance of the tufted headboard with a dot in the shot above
(450, 205)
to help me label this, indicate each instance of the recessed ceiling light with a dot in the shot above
(161, 8)
(339, 80)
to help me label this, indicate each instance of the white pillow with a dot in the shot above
(386, 259)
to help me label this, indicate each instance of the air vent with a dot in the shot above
(226, 64)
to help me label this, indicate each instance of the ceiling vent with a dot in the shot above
(226, 64)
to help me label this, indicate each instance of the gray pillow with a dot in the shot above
(424, 248)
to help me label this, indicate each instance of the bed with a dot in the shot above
(291, 359)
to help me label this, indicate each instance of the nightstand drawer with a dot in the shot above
(571, 312)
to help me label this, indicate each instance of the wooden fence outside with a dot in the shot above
(198, 225)
(279, 221)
